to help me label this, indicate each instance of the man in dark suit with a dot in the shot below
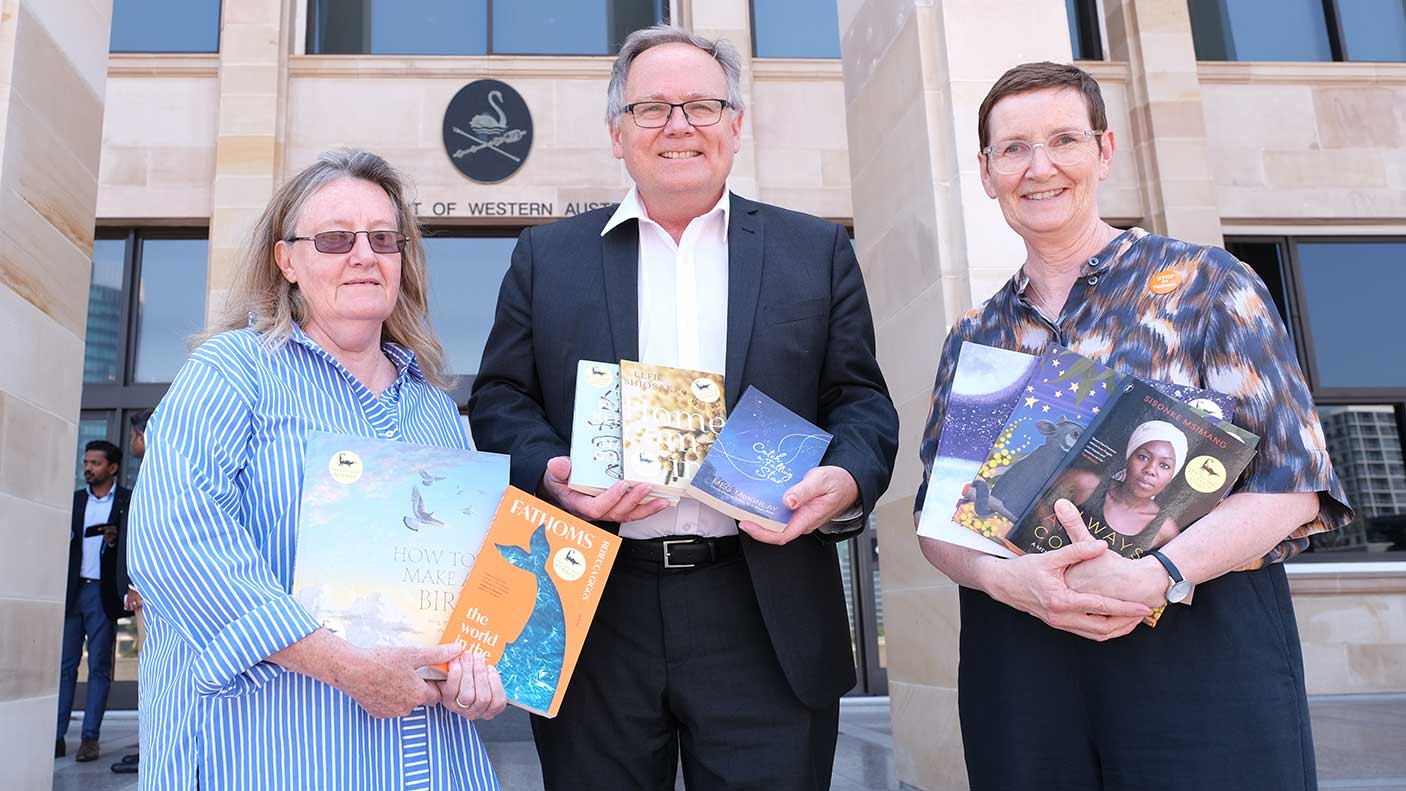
(92, 605)
(721, 639)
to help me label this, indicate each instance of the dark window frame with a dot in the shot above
(1089, 30)
(1337, 37)
(219, 30)
(1300, 326)
(661, 9)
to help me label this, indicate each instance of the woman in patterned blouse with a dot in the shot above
(327, 330)
(1078, 696)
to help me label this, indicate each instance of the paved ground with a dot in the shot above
(1359, 738)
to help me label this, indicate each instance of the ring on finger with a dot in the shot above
(458, 701)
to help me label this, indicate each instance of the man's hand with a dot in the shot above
(1037, 584)
(822, 494)
(620, 503)
(473, 690)
(1110, 574)
(110, 535)
(132, 602)
(385, 682)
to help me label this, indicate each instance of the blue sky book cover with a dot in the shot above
(388, 531)
(762, 451)
(987, 384)
(596, 461)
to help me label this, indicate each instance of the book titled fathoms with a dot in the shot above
(762, 451)
(529, 601)
(596, 463)
(671, 417)
(387, 532)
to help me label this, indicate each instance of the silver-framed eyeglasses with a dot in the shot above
(338, 242)
(697, 112)
(1009, 157)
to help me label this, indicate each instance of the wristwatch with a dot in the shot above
(845, 522)
(1180, 588)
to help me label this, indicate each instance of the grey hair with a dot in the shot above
(262, 299)
(637, 42)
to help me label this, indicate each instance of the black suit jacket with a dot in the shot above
(798, 328)
(112, 599)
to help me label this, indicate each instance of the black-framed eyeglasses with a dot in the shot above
(697, 112)
(337, 242)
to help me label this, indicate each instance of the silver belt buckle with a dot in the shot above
(668, 562)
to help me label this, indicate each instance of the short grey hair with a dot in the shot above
(720, 49)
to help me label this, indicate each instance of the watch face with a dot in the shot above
(1178, 592)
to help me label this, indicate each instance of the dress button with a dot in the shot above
(1093, 281)
(1093, 262)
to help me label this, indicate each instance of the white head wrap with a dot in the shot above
(1154, 430)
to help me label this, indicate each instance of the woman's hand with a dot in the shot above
(1036, 584)
(384, 681)
(1109, 573)
(473, 690)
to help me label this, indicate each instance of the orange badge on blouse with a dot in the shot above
(1164, 282)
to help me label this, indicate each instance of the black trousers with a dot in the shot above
(1212, 699)
(680, 661)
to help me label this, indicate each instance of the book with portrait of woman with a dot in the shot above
(1145, 471)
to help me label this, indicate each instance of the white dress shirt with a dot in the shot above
(682, 323)
(97, 512)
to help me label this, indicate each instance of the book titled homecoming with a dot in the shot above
(672, 416)
(387, 532)
(528, 603)
(762, 451)
(596, 461)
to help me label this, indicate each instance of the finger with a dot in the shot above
(559, 469)
(628, 503)
(499, 695)
(647, 509)
(767, 535)
(426, 657)
(1074, 553)
(811, 486)
(449, 688)
(1072, 521)
(483, 688)
(1104, 605)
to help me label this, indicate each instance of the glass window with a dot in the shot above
(1084, 36)
(461, 27)
(165, 26)
(795, 29)
(104, 312)
(1373, 29)
(1260, 30)
(170, 305)
(1379, 498)
(1343, 310)
(465, 273)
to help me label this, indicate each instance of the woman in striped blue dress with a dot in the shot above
(240, 689)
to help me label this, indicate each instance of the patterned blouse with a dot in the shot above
(213, 536)
(1168, 310)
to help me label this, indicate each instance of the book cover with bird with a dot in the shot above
(528, 603)
(596, 460)
(672, 416)
(762, 451)
(387, 533)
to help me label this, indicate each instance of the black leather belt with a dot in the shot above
(682, 552)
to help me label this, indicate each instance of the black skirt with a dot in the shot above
(1212, 698)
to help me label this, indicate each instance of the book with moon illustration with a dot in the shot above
(762, 451)
(596, 463)
(528, 603)
(671, 417)
(987, 384)
(387, 532)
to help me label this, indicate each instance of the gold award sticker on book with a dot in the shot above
(1206, 474)
(704, 389)
(597, 376)
(569, 563)
(345, 467)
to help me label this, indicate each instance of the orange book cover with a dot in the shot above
(529, 600)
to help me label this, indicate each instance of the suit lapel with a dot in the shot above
(744, 281)
(620, 257)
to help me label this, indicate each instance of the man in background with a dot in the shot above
(92, 605)
(131, 600)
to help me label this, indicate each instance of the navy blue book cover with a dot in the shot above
(762, 451)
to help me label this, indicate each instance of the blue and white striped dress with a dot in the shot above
(213, 536)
